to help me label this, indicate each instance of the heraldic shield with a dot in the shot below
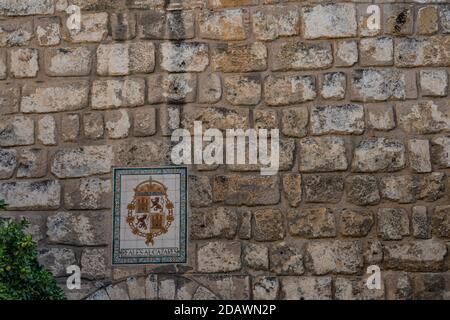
(150, 215)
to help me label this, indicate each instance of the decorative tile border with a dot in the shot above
(150, 215)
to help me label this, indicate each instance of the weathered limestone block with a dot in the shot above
(434, 83)
(70, 127)
(292, 188)
(334, 85)
(8, 163)
(295, 55)
(107, 94)
(329, 21)
(24, 63)
(117, 124)
(79, 229)
(175, 88)
(141, 153)
(200, 191)
(136, 288)
(407, 189)
(217, 4)
(393, 223)
(174, 25)
(431, 51)
(243, 90)
(48, 31)
(256, 256)
(285, 159)
(265, 288)
(35, 195)
(322, 154)
(26, 7)
(94, 28)
(87, 193)
(421, 223)
(312, 223)
(272, 22)
(268, 225)
(441, 221)
(123, 25)
(373, 253)
(82, 161)
(380, 117)
(219, 257)
(444, 15)
(286, 259)
(214, 223)
(382, 84)
(378, 154)
(94, 263)
(296, 89)
(440, 151)
(339, 119)
(93, 125)
(210, 88)
(362, 190)
(425, 255)
(294, 122)
(355, 222)
(32, 163)
(306, 288)
(47, 130)
(227, 287)
(246, 190)
(215, 117)
(68, 62)
(424, 117)
(16, 131)
(419, 155)
(338, 256)
(226, 25)
(239, 58)
(265, 119)
(398, 19)
(323, 188)
(17, 32)
(56, 260)
(399, 286)
(3, 65)
(376, 51)
(427, 20)
(345, 53)
(9, 99)
(123, 59)
(356, 289)
(144, 122)
(118, 291)
(184, 57)
(54, 97)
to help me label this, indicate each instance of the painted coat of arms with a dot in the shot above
(150, 207)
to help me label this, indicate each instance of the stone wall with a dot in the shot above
(364, 117)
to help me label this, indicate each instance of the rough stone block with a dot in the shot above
(322, 154)
(54, 97)
(296, 89)
(239, 58)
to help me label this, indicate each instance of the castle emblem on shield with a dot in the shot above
(150, 214)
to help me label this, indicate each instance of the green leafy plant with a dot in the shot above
(21, 276)
(2, 204)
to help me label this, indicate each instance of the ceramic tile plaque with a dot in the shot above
(150, 215)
